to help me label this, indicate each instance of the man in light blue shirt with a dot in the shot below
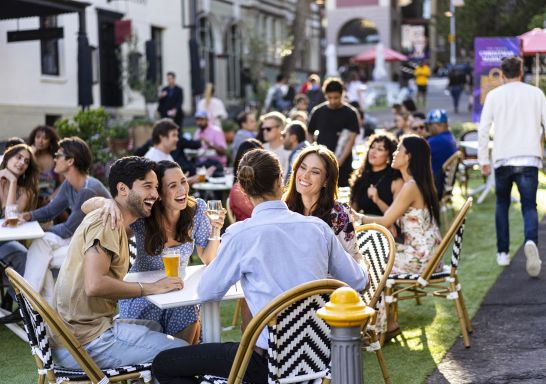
(271, 252)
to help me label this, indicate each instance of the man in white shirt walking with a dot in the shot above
(164, 140)
(517, 112)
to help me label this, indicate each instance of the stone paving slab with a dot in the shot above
(509, 339)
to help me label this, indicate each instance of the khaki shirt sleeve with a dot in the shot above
(108, 238)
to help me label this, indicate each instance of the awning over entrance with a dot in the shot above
(15, 9)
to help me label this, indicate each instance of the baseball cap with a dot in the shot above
(437, 116)
(201, 115)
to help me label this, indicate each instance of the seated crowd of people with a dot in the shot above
(286, 174)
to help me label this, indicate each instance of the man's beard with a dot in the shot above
(136, 205)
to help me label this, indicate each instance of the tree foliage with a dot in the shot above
(490, 18)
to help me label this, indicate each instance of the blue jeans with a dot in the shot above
(128, 342)
(526, 179)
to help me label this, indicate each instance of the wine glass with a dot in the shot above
(214, 207)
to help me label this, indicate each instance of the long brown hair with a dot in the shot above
(390, 143)
(28, 181)
(328, 194)
(155, 231)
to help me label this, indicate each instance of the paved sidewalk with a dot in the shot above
(509, 339)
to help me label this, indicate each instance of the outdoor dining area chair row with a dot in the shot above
(377, 247)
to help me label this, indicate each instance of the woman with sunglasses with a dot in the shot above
(375, 184)
(178, 223)
(418, 126)
(312, 191)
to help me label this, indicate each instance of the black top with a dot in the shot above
(359, 191)
(330, 123)
(173, 99)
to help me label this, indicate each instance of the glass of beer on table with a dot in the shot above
(10, 215)
(171, 261)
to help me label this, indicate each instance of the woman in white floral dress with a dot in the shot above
(415, 207)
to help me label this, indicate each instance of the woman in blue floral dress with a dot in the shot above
(178, 222)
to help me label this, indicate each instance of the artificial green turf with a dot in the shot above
(429, 330)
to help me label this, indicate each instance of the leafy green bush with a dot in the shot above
(119, 131)
(91, 126)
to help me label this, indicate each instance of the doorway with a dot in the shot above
(111, 94)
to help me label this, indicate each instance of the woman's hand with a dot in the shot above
(373, 194)
(357, 217)
(219, 223)
(111, 209)
(6, 174)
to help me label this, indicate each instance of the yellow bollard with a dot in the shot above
(345, 313)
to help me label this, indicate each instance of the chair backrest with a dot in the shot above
(376, 244)
(450, 168)
(37, 313)
(471, 135)
(230, 215)
(132, 250)
(453, 235)
(292, 344)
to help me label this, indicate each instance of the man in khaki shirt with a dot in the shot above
(91, 279)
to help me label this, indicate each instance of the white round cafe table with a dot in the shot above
(212, 186)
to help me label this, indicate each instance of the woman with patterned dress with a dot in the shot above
(44, 141)
(312, 191)
(178, 222)
(416, 208)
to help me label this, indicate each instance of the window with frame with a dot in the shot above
(49, 49)
(157, 37)
(206, 46)
(234, 51)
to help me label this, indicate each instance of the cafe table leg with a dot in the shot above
(210, 320)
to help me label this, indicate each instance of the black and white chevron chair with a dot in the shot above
(435, 283)
(36, 314)
(376, 244)
(132, 250)
(299, 341)
(450, 169)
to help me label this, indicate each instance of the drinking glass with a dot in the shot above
(201, 174)
(214, 207)
(10, 215)
(171, 261)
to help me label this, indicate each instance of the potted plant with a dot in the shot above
(140, 130)
(119, 138)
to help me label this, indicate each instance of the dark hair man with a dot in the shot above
(72, 160)
(517, 111)
(164, 140)
(171, 99)
(91, 279)
(337, 123)
(294, 140)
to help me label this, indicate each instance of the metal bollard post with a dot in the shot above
(345, 313)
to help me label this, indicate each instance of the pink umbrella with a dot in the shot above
(369, 56)
(534, 43)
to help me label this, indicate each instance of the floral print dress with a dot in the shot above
(421, 238)
(173, 320)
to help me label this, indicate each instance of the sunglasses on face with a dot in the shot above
(268, 129)
(418, 127)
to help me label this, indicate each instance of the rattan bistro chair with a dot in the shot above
(36, 313)
(443, 284)
(450, 169)
(377, 246)
(299, 351)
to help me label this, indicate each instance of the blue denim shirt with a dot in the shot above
(273, 251)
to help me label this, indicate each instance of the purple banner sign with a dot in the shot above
(489, 52)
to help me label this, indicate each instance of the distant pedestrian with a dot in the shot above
(171, 98)
(275, 97)
(213, 106)
(518, 113)
(337, 123)
(247, 130)
(457, 81)
(422, 73)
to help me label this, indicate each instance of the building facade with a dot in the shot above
(39, 78)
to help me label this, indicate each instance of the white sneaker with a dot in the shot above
(533, 259)
(503, 259)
